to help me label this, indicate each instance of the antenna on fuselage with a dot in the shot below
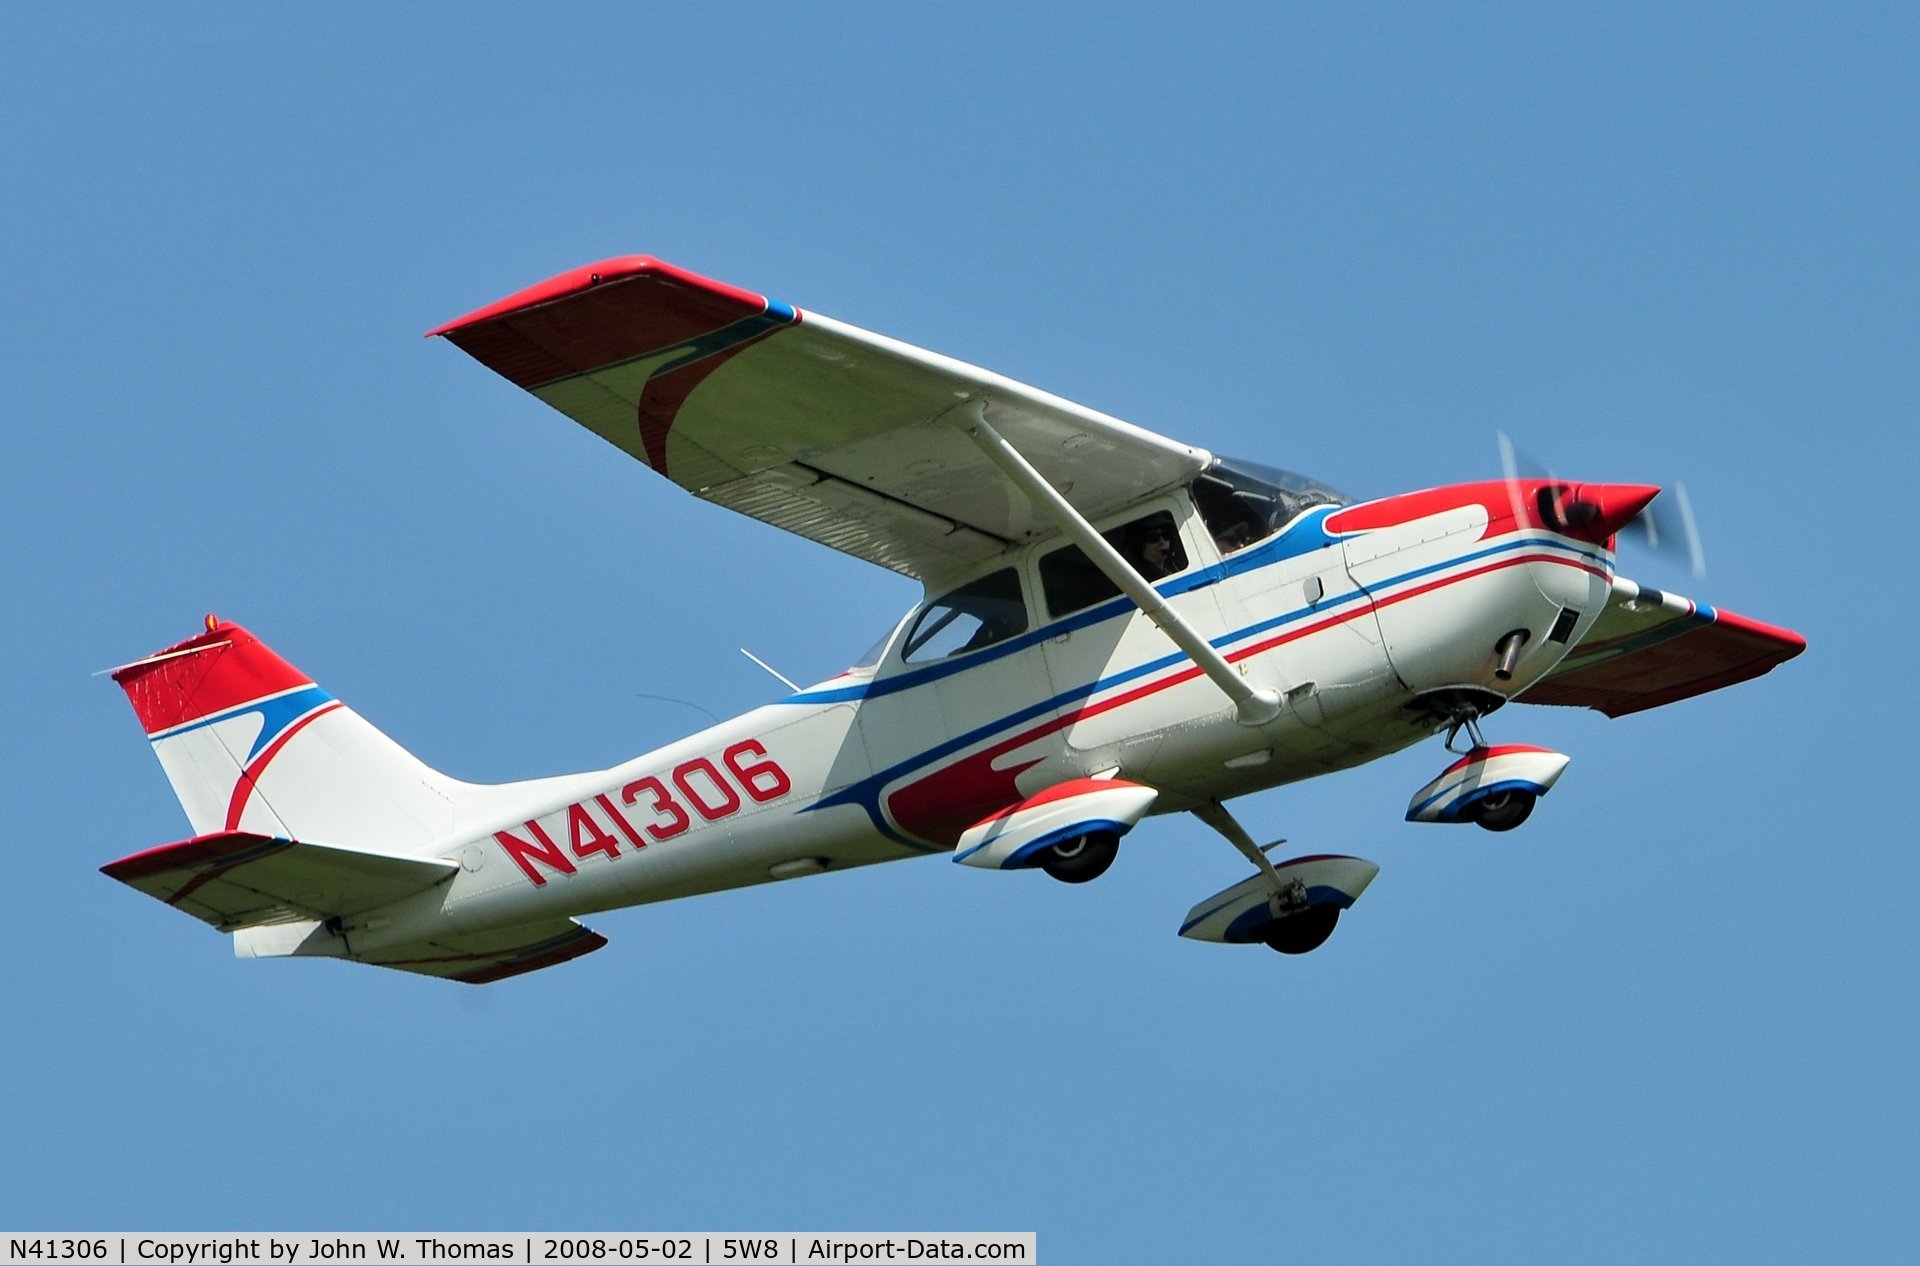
(784, 680)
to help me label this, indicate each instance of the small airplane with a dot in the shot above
(1114, 625)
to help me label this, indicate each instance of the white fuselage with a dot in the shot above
(1352, 628)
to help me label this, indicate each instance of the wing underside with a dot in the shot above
(815, 426)
(1650, 648)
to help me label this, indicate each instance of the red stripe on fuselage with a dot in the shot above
(1371, 516)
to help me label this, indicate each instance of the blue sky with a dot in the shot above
(1671, 1019)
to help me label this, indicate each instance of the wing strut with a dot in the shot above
(1256, 707)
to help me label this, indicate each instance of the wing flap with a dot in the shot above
(1650, 648)
(815, 426)
(237, 879)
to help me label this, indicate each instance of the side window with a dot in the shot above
(875, 653)
(979, 614)
(1072, 583)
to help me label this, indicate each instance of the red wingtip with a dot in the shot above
(586, 278)
(567, 283)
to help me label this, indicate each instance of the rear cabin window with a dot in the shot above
(988, 610)
(1072, 583)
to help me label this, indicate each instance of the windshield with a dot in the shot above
(1242, 502)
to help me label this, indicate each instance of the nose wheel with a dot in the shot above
(1492, 786)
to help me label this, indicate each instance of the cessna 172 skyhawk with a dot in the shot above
(1114, 625)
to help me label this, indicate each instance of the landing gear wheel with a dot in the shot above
(1303, 932)
(1504, 810)
(1081, 858)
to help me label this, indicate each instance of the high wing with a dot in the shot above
(1650, 648)
(807, 423)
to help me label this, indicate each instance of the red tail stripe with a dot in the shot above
(243, 789)
(221, 669)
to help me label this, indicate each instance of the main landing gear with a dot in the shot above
(1081, 858)
(1291, 907)
(1493, 787)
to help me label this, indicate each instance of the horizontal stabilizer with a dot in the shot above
(236, 879)
(1650, 648)
(473, 958)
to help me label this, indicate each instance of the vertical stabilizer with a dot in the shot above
(250, 743)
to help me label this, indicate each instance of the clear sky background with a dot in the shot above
(1671, 1019)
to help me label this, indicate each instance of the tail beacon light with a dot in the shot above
(1021, 834)
(1486, 780)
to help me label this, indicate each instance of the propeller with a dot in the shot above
(1665, 526)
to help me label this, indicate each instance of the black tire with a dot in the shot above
(1504, 810)
(1304, 932)
(1081, 858)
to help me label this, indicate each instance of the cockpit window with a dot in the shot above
(1243, 502)
(978, 614)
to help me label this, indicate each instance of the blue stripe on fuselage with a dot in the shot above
(1311, 536)
(1303, 537)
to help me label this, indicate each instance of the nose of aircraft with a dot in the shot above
(1594, 512)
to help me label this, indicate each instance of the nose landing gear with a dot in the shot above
(1495, 787)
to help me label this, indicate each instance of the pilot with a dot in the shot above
(1156, 550)
(1236, 535)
